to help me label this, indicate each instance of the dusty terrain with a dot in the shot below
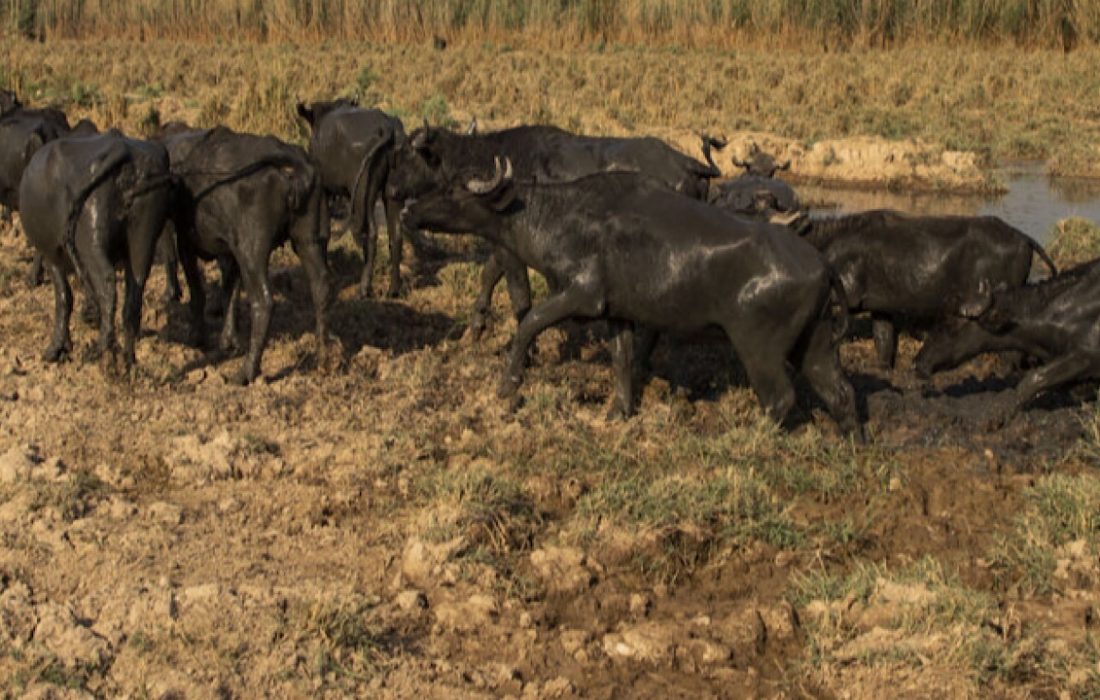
(389, 529)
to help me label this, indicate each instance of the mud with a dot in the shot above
(172, 535)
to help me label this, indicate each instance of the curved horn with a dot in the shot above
(739, 163)
(419, 139)
(785, 165)
(472, 128)
(486, 186)
(508, 176)
(980, 303)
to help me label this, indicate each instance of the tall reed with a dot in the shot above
(556, 23)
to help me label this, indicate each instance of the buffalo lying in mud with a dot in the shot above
(1056, 321)
(91, 203)
(756, 191)
(919, 267)
(352, 149)
(431, 157)
(623, 247)
(238, 197)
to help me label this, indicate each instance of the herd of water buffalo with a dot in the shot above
(626, 230)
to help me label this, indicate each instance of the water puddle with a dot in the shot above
(1034, 201)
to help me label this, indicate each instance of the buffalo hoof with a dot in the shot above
(508, 388)
(229, 344)
(477, 330)
(57, 352)
(34, 278)
(171, 295)
(89, 314)
(241, 377)
(365, 292)
(617, 413)
(196, 339)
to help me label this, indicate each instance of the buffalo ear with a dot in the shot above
(35, 142)
(305, 113)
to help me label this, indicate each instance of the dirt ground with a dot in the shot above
(390, 529)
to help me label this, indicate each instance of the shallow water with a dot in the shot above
(1034, 201)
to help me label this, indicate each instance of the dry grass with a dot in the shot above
(1001, 103)
(725, 23)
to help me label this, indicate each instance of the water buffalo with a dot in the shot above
(351, 147)
(625, 248)
(89, 204)
(238, 197)
(918, 267)
(756, 191)
(1056, 321)
(433, 156)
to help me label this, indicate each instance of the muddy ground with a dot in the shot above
(389, 529)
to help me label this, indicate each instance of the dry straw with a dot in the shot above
(715, 23)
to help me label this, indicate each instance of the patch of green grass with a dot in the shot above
(681, 521)
(349, 642)
(73, 498)
(1059, 509)
(491, 510)
(921, 616)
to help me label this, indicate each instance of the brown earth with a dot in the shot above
(391, 530)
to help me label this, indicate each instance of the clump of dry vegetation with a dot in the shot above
(724, 23)
(1074, 241)
(997, 102)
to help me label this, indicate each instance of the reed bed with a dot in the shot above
(999, 102)
(559, 23)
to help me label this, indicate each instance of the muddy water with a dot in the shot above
(1034, 201)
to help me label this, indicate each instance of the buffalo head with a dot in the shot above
(464, 205)
(989, 306)
(760, 164)
(314, 112)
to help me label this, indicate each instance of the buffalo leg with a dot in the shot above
(765, 363)
(196, 301)
(886, 339)
(144, 235)
(955, 343)
(491, 273)
(101, 276)
(645, 341)
(229, 341)
(501, 264)
(34, 277)
(166, 249)
(255, 279)
(61, 344)
(622, 360)
(821, 367)
(320, 288)
(576, 300)
(1050, 375)
(368, 239)
(394, 229)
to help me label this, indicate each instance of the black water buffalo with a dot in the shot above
(90, 203)
(351, 147)
(919, 267)
(434, 156)
(1056, 321)
(756, 191)
(625, 248)
(238, 197)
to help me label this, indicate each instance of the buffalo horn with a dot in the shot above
(486, 186)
